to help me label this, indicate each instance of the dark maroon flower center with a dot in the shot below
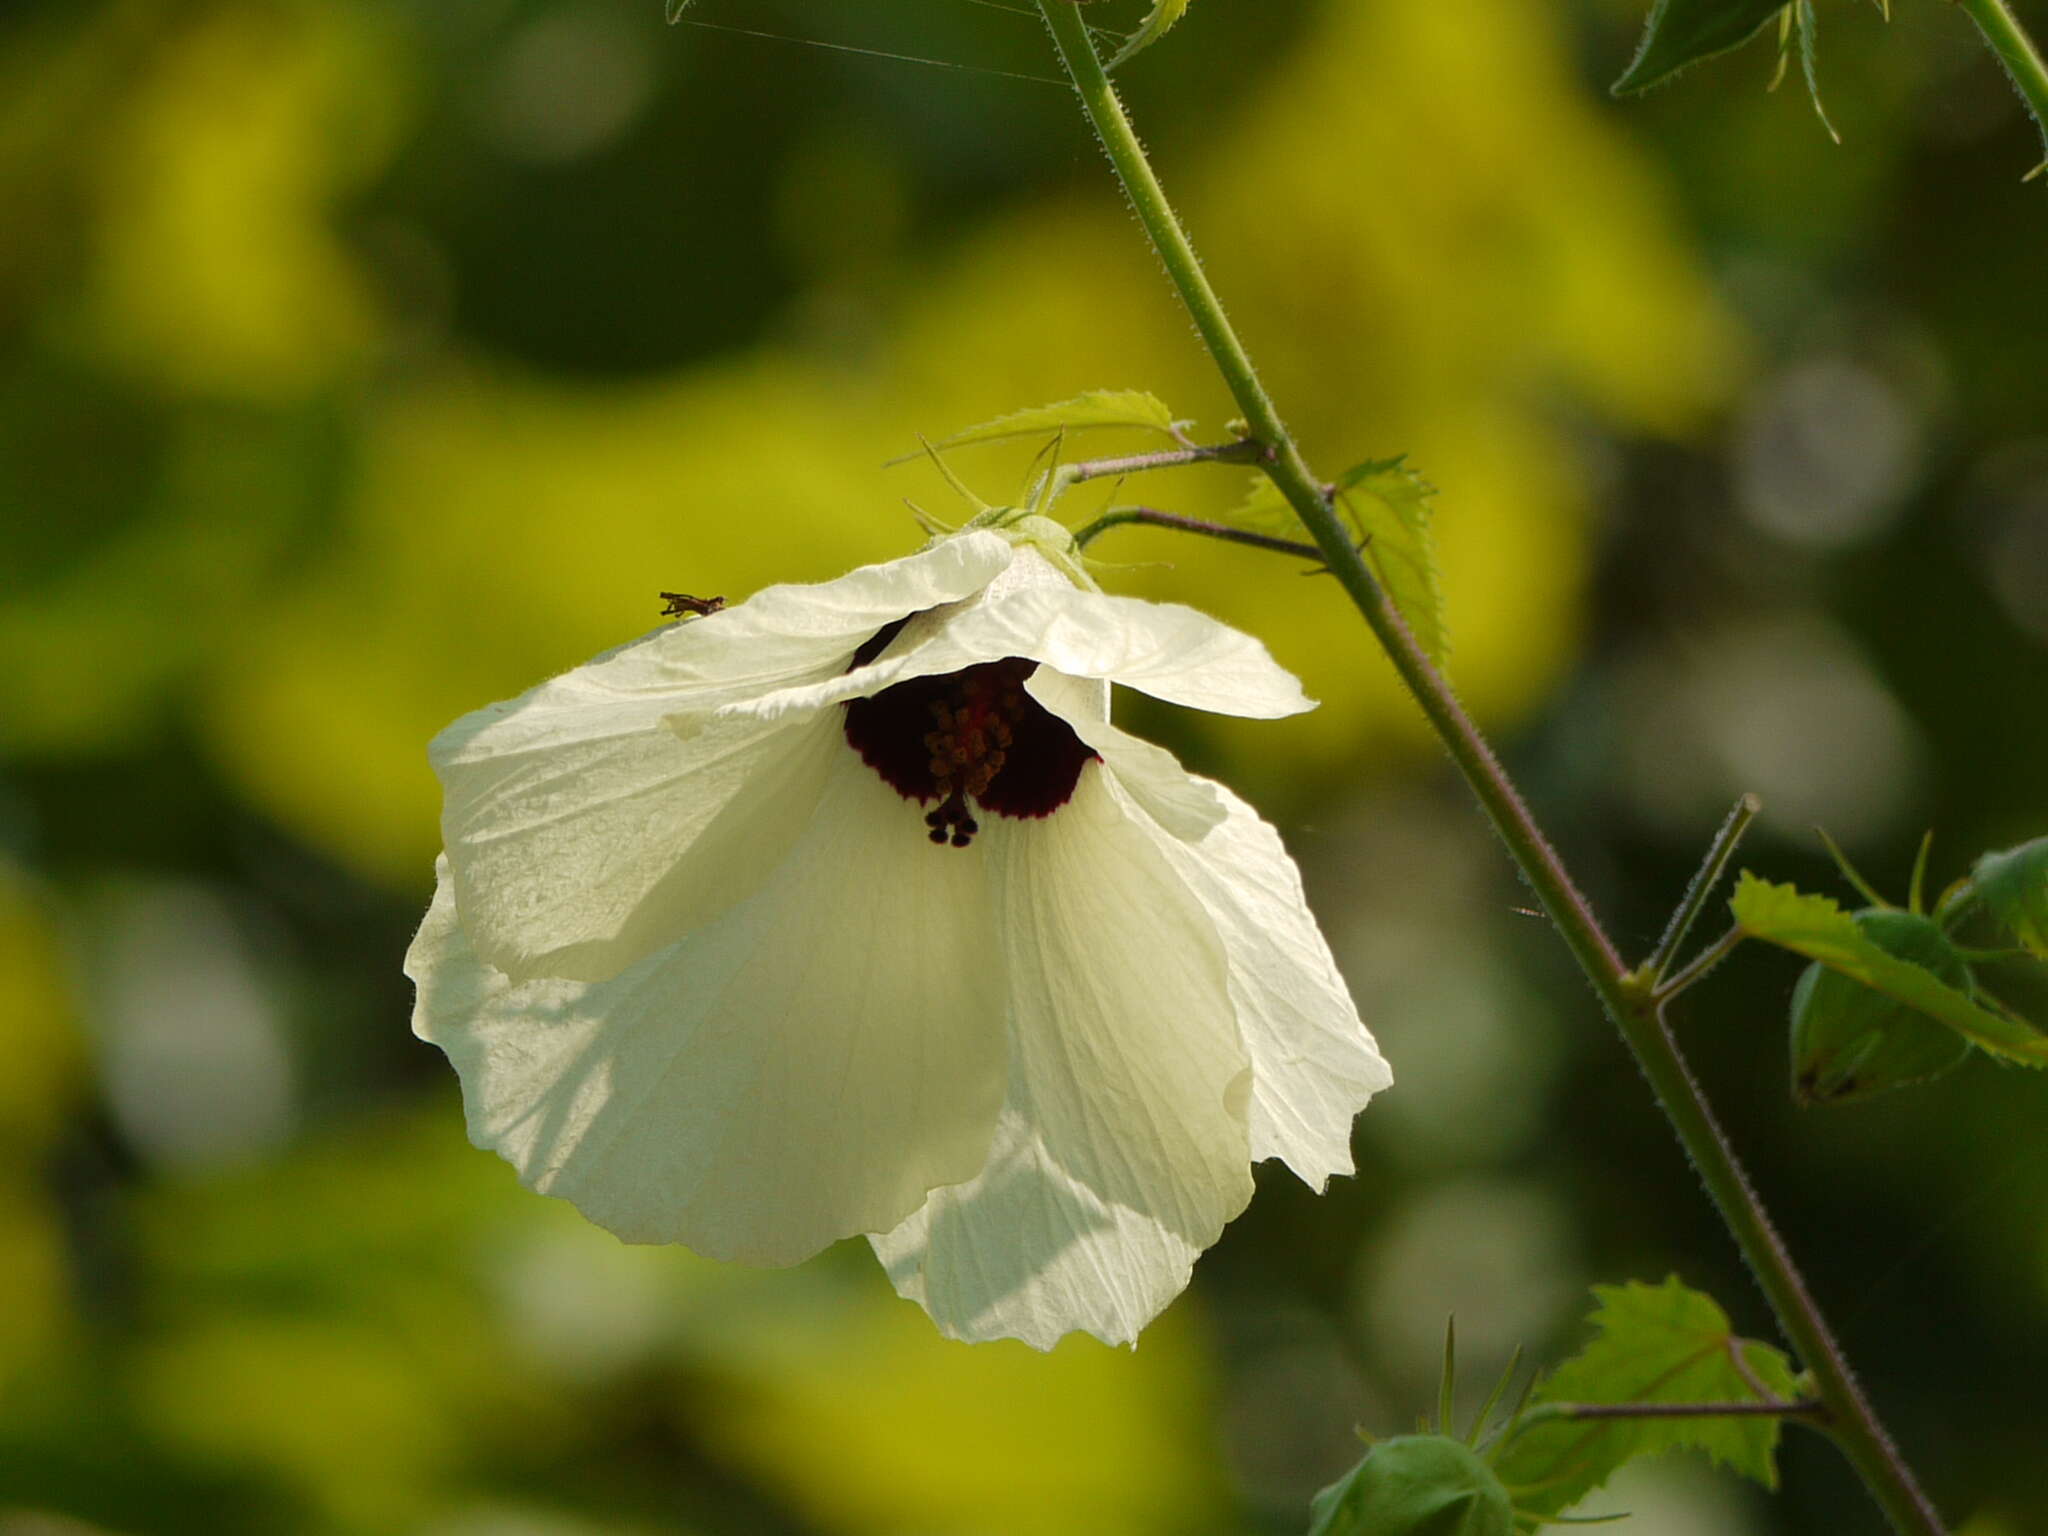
(970, 735)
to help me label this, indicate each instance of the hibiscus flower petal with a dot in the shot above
(1028, 1252)
(1170, 652)
(586, 852)
(806, 1068)
(1125, 1147)
(1314, 1065)
(585, 832)
(1181, 803)
(786, 633)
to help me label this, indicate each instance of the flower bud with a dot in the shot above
(1416, 1485)
(1850, 1040)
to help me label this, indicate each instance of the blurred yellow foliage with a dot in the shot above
(35, 1277)
(334, 1412)
(217, 269)
(504, 529)
(96, 657)
(876, 1425)
(39, 1035)
(44, 1075)
(387, 1286)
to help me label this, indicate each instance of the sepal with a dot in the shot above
(1157, 23)
(1817, 927)
(1415, 1485)
(1681, 33)
(1850, 1041)
(2012, 884)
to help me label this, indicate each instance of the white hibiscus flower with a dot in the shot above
(705, 974)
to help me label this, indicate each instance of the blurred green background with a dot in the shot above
(363, 361)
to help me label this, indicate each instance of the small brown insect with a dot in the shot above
(680, 605)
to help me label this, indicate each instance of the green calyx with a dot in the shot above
(1850, 1041)
(1034, 531)
(1415, 1485)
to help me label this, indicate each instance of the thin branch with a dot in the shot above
(1712, 867)
(1148, 517)
(1701, 963)
(1242, 451)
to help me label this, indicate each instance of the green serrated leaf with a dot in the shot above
(1094, 411)
(1683, 32)
(1818, 928)
(1655, 1344)
(2013, 885)
(1389, 503)
(1156, 25)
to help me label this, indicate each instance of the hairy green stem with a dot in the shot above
(2016, 51)
(1626, 997)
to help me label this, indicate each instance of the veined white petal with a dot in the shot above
(1183, 804)
(584, 831)
(1124, 1147)
(1314, 1064)
(579, 856)
(1170, 652)
(1026, 1251)
(807, 1067)
(795, 631)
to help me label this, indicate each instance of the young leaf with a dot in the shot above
(2013, 885)
(1099, 408)
(1155, 26)
(1683, 32)
(1389, 504)
(1817, 927)
(1656, 1344)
